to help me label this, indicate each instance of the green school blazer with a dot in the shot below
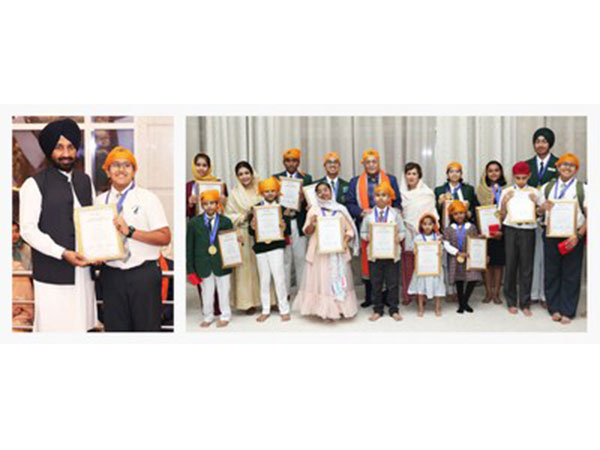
(550, 173)
(342, 189)
(198, 260)
(468, 194)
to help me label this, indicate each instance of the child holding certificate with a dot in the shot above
(327, 289)
(455, 243)
(519, 239)
(427, 287)
(269, 255)
(564, 255)
(204, 263)
(384, 270)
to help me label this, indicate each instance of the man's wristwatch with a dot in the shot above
(131, 231)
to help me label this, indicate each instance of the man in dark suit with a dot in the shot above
(295, 252)
(360, 200)
(543, 169)
(338, 185)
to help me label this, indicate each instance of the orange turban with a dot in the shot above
(385, 187)
(119, 153)
(436, 226)
(332, 155)
(454, 165)
(568, 157)
(268, 184)
(210, 196)
(368, 153)
(293, 153)
(457, 206)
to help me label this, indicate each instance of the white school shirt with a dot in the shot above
(522, 226)
(451, 249)
(393, 217)
(143, 210)
(570, 194)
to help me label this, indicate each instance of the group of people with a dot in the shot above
(522, 261)
(65, 282)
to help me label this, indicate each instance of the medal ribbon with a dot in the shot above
(453, 191)
(497, 193)
(213, 232)
(323, 212)
(121, 199)
(460, 233)
(562, 193)
(385, 216)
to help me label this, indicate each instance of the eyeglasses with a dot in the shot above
(123, 165)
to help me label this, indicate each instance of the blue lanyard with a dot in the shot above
(497, 193)
(455, 190)
(564, 191)
(460, 233)
(425, 237)
(387, 210)
(213, 232)
(323, 212)
(121, 200)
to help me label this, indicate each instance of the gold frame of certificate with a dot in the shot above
(283, 199)
(310, 194)
(229, 249)
(110, 241)
(374, 251)
(446, 214)
(525, 217)
(201, 186)
(564, 206)
(419, 261)
(258, 210)
(329, 240)
(472, 249)
(486, 216)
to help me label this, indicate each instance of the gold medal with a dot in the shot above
(460, 259)
(267, 242)
(212, 250)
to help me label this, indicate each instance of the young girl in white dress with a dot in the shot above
(428, 286)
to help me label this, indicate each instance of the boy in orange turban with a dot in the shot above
(339, 186)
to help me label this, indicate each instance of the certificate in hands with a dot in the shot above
(486, 217)
(268, 218)
(290, 193)
(330, 235)
(383, 240)
(476, 253)
(562, 219)
(97, 237)
(520, 208)
(428, 258)
(310, 194)
(230, 249)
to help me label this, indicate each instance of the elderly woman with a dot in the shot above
(417, 199)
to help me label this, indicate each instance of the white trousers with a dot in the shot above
(537, 285)
(208, 297)
(295, 254)
(271, 264)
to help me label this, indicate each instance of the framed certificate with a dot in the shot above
(202, 186)
(330, 234)
(562, 219)
(96, 234)
(383, 240)
(520, 208)
(268, 218)
(230, 249)
(310, 194)
(290, 193)
(446, 212)
(428, 258)
(487, 216)
(477, 253)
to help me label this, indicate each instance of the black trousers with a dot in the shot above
(562, 277)
(388, 272)
(463, 292)
(519, 246)
(132, 297)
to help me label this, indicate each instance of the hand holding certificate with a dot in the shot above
(476, 253)
(97, 237)
(229, 246)
(330, 234)
(487, 217)
(428, 258)
(562, 219)
(520, 208)
(290, 193)
(310, 194)
(383, 240)
(268, 223)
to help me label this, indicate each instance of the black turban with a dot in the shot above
(54, 130)
(547, 133)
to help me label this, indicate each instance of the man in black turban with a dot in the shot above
(542, 167)
(61, 135)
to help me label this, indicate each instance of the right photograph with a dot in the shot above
(386, 224)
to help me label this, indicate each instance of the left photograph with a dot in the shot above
(92, 224)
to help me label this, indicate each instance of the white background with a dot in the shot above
(165, 394)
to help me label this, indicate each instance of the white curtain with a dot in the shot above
(430, 141)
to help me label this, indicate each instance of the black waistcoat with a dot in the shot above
(56, 220)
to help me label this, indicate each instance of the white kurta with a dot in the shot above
(58, 307)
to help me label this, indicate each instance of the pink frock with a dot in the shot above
(316, 296)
